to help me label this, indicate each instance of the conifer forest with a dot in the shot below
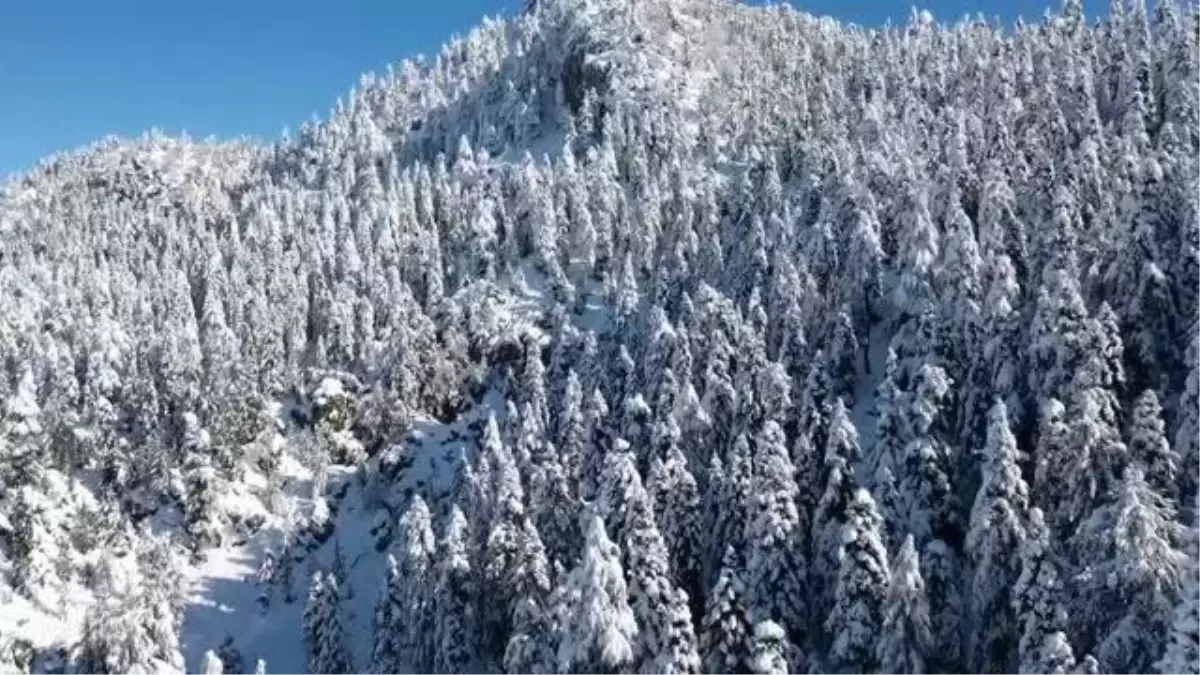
(655, 336)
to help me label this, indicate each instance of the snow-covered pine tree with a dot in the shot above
(531, 387)
(1037, 599)
(906, 638)
(388, 621)
(134, 625)
(337, 568)
(730, 500)
(1056, 336)
(1183, 643)
(530, 647)
(212, 664)
(927, 485)
(677, 502)
(666, 641)
(959, 281)
(596, 626)
(32, 542)
(994, 541)
(552, 501)
(572, 427)
(888, 455)
(413, 620)
(725, 637)
(776, 570)
(841, 454)
(500, 548)
(1187, 432)
(927, 481)
(768, 649)
(1093, 452)
(324, 628)
(456, 626)
(596, 441)
(856, 620)
(1149, 447)
(991, 366)
(1132, 571)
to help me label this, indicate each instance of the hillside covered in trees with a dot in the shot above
(666, 336)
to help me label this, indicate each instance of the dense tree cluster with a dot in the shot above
(820, 348)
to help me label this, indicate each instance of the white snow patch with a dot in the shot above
(224, 594)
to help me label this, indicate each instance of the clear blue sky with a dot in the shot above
(72, 71)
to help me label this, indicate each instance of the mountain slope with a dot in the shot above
(636, 296)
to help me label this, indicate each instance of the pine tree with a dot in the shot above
(666, 642)
(927, 479)
(337, 568)
(501, 545)
(725, 632)
(1093, 452)
(906, 639)
(841, 453)
(1183, 644)
(889, 454)
(413, 621)
(212, 664)
(597, 628)
(529, 649)
(1056, 335)
(959, 280)
(843, 356)
(388, 621)
(918, 244)
(33, 544)
(1148, 446)
(994, 366)
(453, 598)
(230, 656)
(677, 502)
(324, 628)
(135, 623)
(731, 500)
(572, 435)
(768, 649)
(1187, 432)
(942, 569)
(1037, 599)
(1133, 573)
(532, 384)
(596, 441)
(993, 544)
(776, 570)
(861, 590)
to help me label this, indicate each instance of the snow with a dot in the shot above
(865, 412)
(23, 620)
(223, 600)
(329, 387)
(546, 146)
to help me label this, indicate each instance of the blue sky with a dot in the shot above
(72, 71)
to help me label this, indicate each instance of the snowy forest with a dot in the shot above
(656, 336)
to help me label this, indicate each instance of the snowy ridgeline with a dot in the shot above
(657, 336)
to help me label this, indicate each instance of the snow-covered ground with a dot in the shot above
(223, 599)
